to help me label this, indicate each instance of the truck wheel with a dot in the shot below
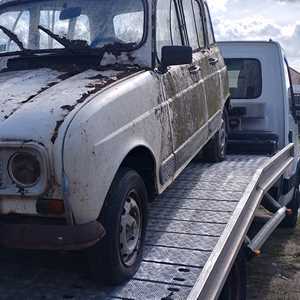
(235, 287)
(290, 221)
(215, 150)
(118, 256)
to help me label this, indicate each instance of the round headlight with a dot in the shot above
(24, 169)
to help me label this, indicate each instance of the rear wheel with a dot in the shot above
(215, 150)
(235, 287)
(117, 257)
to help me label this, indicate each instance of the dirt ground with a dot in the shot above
(275, 275)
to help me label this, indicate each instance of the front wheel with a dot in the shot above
(215, 150)
(118, 256)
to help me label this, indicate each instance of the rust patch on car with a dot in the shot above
(99, 83)
(56, 129)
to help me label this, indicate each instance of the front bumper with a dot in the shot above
(50, 237)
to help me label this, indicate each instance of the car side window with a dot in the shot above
(199, 23)
(210, 31)
(190, 23)
(167, 26)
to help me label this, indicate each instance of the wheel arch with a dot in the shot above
(147, 169)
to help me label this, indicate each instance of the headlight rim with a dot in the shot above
(35, 155)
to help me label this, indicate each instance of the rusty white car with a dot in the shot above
(103, 104)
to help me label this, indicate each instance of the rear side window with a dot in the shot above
(245, 78)
(199, 24)
(210, 31)
(190, 23)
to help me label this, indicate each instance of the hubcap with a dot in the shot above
(130, 230)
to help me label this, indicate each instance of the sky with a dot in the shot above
(278, 20)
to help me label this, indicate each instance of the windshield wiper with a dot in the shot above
(13, 37)
(68, 44)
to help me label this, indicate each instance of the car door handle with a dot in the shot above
(213, 61)
(194, 69)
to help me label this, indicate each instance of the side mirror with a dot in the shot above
(175, 55)
(70, 13)
(297, 106)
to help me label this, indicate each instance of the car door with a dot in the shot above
(215, 73)
(183, 86)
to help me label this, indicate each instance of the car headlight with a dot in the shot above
(25, 169)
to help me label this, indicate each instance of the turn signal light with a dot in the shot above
(50, 207)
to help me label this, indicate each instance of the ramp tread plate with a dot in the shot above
(142, 290)
(176, 256)
(184, 241)
(190, 215)
(169, 274)
(185, 227)
(202, 195)
(195, 204)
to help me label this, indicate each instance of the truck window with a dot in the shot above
(210, 30)
(190, 23)
(245, 78)
(17, 22)
(167, 26)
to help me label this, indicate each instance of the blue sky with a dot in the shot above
(260, 20)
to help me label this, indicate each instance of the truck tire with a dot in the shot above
(290, 221)
(215, 150)
(118, 256)
(235, 287)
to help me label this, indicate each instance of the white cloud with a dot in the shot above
(259, 20)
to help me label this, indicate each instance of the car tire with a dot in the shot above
(117, 257)
(215, 150)
(291, 221)
(235, 287)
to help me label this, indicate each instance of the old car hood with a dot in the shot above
(35, 104)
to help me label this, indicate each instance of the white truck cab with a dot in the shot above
(264, 114)
(261, 92)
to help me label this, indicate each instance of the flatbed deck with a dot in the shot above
(194, 233)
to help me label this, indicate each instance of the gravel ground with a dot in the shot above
(275, 275)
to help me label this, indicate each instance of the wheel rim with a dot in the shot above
(130, 230)
(222, 138)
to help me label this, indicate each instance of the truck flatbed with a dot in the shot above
(195, 231)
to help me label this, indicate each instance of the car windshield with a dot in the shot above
(93, 23)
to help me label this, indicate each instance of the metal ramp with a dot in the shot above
(185, 225)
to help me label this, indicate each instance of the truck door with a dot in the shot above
(184, 89)
(213, 66)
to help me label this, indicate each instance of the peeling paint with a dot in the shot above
(99, 81)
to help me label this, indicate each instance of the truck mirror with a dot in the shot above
(175, 55)
(70, 13)
(297, 106)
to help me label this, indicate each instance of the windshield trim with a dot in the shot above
(134, 48)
